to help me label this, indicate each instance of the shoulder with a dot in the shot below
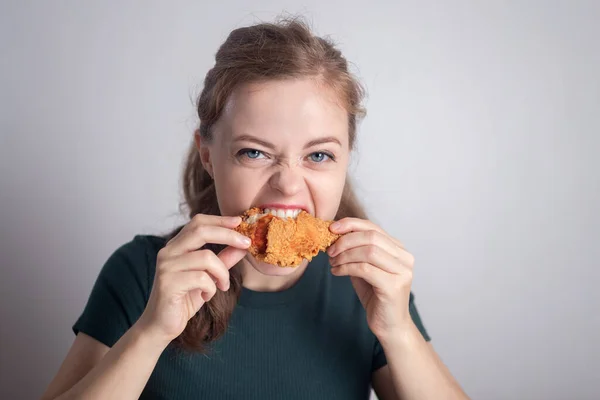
(131, 264)
(142, 246)
(121, 290)
(141, 250)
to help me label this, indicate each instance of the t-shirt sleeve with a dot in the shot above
(379, 359)
(119, 295)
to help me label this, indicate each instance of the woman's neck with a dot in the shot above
(254, 279)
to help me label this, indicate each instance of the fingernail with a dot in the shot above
(246, 241)
(335, 226)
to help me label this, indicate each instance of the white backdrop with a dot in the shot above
(480, 152)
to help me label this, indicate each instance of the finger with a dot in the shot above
(364, 238)
(205, 219)
(230, 256)
(200, 260)
(371, 274)
(197, 236)
(187, 281)
(217, 220)
(368, 254)
(350, 224)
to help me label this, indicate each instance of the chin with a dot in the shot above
(270, 269)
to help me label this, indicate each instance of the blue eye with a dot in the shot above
(250, 153)
(320, 156)
(253, 153)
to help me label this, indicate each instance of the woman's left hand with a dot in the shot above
(381, 272)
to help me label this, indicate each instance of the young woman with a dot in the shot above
(194, 316)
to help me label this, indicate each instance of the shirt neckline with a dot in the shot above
(306, 283)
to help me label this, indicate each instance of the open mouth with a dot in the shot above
(285, 237)
(280, 213)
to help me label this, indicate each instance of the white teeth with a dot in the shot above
(292, 213)
(280, 213)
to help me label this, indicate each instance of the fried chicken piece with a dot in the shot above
(285, 242)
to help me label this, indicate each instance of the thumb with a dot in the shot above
(231, 256)
(197, 299)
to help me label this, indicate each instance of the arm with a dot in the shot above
(414, 371)
(118, 364)
(92, 370)
(381, 272)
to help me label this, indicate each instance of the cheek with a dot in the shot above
(235, 190)
(326, 193)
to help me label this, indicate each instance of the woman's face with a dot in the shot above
(279, 145)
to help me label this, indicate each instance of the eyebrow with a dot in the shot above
(328, 139)
(254, 139)
(312, 143)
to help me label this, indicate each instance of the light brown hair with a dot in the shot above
(286, 49)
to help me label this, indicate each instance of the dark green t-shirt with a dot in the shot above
(310, 341)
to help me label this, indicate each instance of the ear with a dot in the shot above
(204, 152)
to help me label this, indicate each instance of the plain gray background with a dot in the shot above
(480, 152)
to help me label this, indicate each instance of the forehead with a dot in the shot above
(286, 110)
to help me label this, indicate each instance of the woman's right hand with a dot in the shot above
(186, 277)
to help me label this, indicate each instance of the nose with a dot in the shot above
(287, 180)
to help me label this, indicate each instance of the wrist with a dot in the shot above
(406, 336)
(143, 336)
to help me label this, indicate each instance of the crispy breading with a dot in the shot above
(286, 241)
